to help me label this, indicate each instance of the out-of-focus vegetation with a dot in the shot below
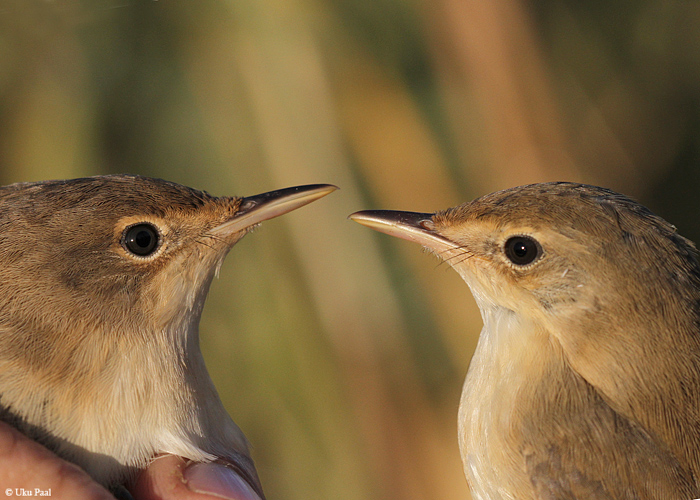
(341, 352)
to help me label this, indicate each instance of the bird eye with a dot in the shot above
(140, 239)
(522, 250)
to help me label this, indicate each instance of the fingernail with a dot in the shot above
(219, 481)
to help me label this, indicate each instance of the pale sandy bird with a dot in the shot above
(102, 284)
(585, 383)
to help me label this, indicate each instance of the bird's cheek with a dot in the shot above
(180, 290)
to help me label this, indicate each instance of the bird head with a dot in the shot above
(102, 285)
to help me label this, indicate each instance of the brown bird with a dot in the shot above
(102, 285)
(585, 383)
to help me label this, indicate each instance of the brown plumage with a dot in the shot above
(586, 379)
(102, 284)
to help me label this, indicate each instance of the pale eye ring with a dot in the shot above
(522, 250)
(141, 239)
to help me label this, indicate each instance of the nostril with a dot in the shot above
(247, 205)
(427, 224)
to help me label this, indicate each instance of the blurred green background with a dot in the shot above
(340, 351)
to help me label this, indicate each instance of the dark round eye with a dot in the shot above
(522, 250)
(141, 239)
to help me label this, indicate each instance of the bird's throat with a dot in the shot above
(512, 358)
